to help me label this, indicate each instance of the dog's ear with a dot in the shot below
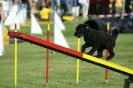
(87, 28)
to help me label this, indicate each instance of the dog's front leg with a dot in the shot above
(84, 46)
(99, 53)
(92, 50)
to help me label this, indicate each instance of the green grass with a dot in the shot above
(62, 68)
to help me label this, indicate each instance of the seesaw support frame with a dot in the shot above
(76, 54)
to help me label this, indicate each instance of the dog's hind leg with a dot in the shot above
(92, 50)
(84, 46)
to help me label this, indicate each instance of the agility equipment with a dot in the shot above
(126, 25)
(9, 40)
(106, 71)
(47, 55)
(110, 15)
(100, 24)
(35, 27)
(6, 37)
(58, 21)
(73, 53)
(15, 59)
(59, 37)
(16, 21)
(12, 15)
(122, 25)
(77, 63)
(17, 15)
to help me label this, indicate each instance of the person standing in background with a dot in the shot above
(41, 4)
(118, 6)
(45, 13)
(84, 4)
(29, 5)
(105, 6)
(127, 6)
(2, 15)
(131, 7)
(63, 7)
(92, 7)
(112, 8)
(98, 7)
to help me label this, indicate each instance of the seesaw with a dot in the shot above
(76, 54)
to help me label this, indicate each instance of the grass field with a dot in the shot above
(62, 68)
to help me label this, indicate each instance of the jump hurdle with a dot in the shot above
(73, 53)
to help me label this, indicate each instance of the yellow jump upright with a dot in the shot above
(77, 63)
(15, 60)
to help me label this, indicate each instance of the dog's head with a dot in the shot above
(81, 29)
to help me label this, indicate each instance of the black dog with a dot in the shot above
(98, 40)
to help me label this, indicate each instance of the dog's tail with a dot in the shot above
(115, 33)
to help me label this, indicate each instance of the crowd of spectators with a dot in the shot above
(90, 6)
(95, 6)
(109, 6)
